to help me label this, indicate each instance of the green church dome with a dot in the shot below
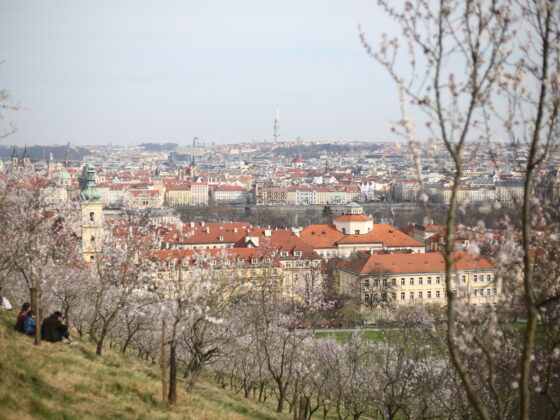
(91, 193)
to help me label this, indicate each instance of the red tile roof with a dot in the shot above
(353, 218)
(321, 236)
(326, 236)
(415, 263)
(386, 234)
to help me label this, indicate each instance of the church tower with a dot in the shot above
(15, 159)
(26, 160)
(92, 217)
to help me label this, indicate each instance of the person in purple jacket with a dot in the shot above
(26, 307)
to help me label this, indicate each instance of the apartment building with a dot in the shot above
(413, 278)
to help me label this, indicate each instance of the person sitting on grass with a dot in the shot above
(30, 324)
(25, 308)
(5, 303)
(53, 330)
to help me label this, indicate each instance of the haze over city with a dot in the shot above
(127, 72)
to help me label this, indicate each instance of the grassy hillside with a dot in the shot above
(58, 381)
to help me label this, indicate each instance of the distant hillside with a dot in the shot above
(75, 153)
(58, 381)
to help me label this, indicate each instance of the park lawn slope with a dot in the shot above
(59, 381)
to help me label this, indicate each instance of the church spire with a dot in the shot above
(15, 159)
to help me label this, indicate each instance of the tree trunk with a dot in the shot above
(295, 404)
(36, 306)
(172, 397)
(195, 371)
(281, 397)
(164, 361)
(99, 347)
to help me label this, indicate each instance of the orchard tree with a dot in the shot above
(120, 275)
(480, 70)
(43, 244)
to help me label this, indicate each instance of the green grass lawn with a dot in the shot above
(58, 381)
(342, 336)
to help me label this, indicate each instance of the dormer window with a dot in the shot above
(221, 238)
(253, 260)
(297, 253)
(284, 253)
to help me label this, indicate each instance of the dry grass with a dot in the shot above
(58, 381)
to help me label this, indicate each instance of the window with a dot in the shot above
(402, 296)
(494, 291)
(92, 217)
(366, 283)
(488, 292)
(429, 294)
(475, 292)
(475, 278)
(366, 298)
(419, 295)
(375, 283)
(411, 295)
(92, 239)
(438, 280)
(420, 280)
(463, 279)
(411, 281)
(429, 280)
(344, 230)
(394, 282)
(488, 277)
(297, 253)
(437, 294)
(357, 231)
(394, 295)
(402, 281)
(384, 282)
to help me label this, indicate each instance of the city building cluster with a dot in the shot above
(372, 260)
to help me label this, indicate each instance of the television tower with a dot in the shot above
(276, 129)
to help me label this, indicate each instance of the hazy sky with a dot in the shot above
(124, 72)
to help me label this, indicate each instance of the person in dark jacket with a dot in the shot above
(30, 324)
(53, 330)
(25, 308)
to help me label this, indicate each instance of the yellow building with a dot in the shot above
(178, 195)
(413, 278)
